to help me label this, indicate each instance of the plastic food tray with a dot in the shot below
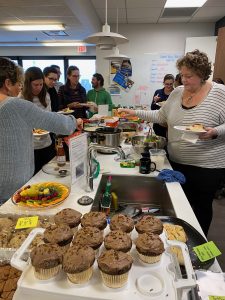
(158, 281)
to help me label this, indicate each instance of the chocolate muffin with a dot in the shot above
(122, 222)
(94, 219)
(118, 240)
(78, 263)
(114, 267)
(149, 247)
(89, 236)
(46, 260)
(61, 235)
(149, 224)
(68, 216)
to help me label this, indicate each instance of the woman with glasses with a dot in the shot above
(51, 77)
(35, 91)
(73, 94)
(159, 97)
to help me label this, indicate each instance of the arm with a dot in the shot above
(154, 116)
(38, 118)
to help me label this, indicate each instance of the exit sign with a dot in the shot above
(81, 49)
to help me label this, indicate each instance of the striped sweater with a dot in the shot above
(210, 112)
(17, 119)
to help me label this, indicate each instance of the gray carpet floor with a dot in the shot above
(217, 229)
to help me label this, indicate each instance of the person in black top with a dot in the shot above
(50, 78)
(159, 96)
(73, 94)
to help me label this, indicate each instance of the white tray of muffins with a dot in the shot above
(142, 268)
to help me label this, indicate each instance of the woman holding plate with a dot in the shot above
(201, 160)
(17, 119)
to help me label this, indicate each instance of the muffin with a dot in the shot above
(78, 263)
(89, 236)
(94, 219)
(114, 268)
(118, 240)
(149, 224)
(46, 260)
(68, 216)
(61, 235)
(149, 247)
(122, 222)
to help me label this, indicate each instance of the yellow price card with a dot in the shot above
(216, 297)
(27, 222)
(206, 251)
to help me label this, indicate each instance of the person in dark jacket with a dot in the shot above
(160, 96)
(50, 78)
(73, 94)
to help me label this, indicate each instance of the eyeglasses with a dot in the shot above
(76, 76)
(52, 79)
(168, 84)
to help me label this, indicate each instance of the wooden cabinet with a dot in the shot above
(219, 66)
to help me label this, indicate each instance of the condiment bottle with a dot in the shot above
(106, 198)
(61, 157)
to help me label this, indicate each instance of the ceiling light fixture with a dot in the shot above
(36, 27)
(184, 3)
(106, 39)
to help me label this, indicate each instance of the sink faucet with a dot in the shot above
(94, 147)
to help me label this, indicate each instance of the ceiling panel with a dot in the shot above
(173, 20)
(110, 3)
(143, 20)
(69, 21)
(143, 12)
(145, 3)
(220, 3)
(214, 12)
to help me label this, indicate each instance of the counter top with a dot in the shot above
(108, 165)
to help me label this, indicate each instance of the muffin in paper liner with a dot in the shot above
(81, 277)
(114, 281)
(44, 274)
(149, 259)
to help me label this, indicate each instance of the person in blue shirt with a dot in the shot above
(159, 96)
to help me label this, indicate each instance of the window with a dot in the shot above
(42, 63)
(87, 69)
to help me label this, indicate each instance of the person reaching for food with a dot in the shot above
(18, 117)
(197, 101)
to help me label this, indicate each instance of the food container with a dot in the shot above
(107, 136)
(142, 143)
(158, 157)
(158, 281)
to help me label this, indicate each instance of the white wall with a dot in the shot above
(154, 39)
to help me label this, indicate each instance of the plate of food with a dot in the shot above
(41, 195)
(65, 111)
(196, 128)
(40, 132)
(178, 229)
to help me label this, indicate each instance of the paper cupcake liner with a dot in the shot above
(74, 229)
(81, 277)
(149, 259)
(44, 274)
(114, 281)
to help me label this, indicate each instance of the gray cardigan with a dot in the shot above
(17, 119)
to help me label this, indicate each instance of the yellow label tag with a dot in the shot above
(216, 297)
(26, 222)
(206, 251)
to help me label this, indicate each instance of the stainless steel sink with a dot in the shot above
(137, 191)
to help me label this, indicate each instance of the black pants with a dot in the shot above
(43, 156)
(200, 188)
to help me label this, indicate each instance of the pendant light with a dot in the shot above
(116, 56)
(106, 39)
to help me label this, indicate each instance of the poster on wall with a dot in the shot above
(122, 77)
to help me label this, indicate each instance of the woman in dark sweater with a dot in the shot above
(73, 94)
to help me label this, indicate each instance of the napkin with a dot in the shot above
(210, 284)
(168, 175)
(190, 137)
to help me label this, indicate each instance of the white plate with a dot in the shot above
(41, 134)
(184, 129)
(70, 111)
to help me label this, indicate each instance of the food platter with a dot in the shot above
(40, 132)
(188, 130)
(41, 195)
(194, 238)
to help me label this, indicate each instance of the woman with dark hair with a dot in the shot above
(73, 94)
(17, 119)
(160, 96)
(35, 91)
(197, 101)
(178, 80)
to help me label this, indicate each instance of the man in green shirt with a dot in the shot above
(98, 95)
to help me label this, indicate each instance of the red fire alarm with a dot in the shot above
(81, 49)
